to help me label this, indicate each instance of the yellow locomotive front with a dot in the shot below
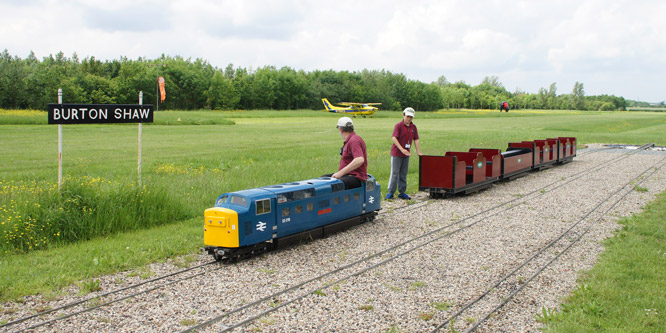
(221, 227)
(240, 223)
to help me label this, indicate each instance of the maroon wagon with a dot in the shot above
(466, 172)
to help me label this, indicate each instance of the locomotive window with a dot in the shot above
(356, 196)
(296, 195)
(336, 200)
(285, 211)
(304, 194)
(324, 203)
(298, 209)
(310, 206)
(222, 199)
(263, 206)
(337, 187)
(370, 185)
(238, 200)
(346, 197)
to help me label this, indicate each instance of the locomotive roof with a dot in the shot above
(288, 187)
(302, 185)
(321, 183)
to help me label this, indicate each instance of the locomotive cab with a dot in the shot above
(240, 218)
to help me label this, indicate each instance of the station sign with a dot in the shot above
(100, 113)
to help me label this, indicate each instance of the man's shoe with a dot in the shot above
(404, 196)
(389, 196)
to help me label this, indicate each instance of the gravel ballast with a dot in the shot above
(414, 289)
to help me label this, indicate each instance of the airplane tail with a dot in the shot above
(328, 105)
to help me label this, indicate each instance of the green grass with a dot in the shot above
(625, 291)
(188, 163)
(54, 269)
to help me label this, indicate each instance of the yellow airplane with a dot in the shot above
(360, 109)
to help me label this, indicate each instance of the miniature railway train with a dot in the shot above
(466, 172)
(253, 221)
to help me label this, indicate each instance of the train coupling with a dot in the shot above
(218, 254)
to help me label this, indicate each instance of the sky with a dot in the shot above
(612, 47)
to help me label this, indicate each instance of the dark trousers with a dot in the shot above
(349, 181)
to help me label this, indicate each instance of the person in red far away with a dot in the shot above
(504, 106)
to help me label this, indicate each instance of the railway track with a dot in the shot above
(383, 257)
(150, 286)
(508, 286)
(356, 268)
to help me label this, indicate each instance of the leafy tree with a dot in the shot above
(134, 76)
(489, 94)
(222, 94)
(552, 96)
(542, 98)
(13, 76)
(441, 81)
(93, 89)
(578, 97)
(493, 81)
(186, 83)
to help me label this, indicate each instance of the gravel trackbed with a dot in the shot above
(369, 278)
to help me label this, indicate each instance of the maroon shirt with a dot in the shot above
(355, 147)
(405, 134)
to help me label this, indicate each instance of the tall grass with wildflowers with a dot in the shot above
(36, 216)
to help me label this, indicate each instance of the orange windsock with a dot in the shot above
(160, 80)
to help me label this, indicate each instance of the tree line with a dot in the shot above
(31, 83)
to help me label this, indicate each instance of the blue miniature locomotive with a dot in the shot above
(252, 221)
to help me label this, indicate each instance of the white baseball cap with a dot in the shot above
(408, 112)
(345, 122)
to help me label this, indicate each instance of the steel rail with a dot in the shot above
(111, 302)
(266, 298)
(552, 243)
(73, 304)
(580, 236)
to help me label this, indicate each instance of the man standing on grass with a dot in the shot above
(353, 167)
(404, 135)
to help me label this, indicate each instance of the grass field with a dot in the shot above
(189, 158)
(624, 292)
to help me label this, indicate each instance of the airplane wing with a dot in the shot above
(358, 104)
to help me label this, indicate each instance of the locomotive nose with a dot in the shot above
(221, 227)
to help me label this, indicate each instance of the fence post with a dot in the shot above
(140, 132)
(59, 145)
